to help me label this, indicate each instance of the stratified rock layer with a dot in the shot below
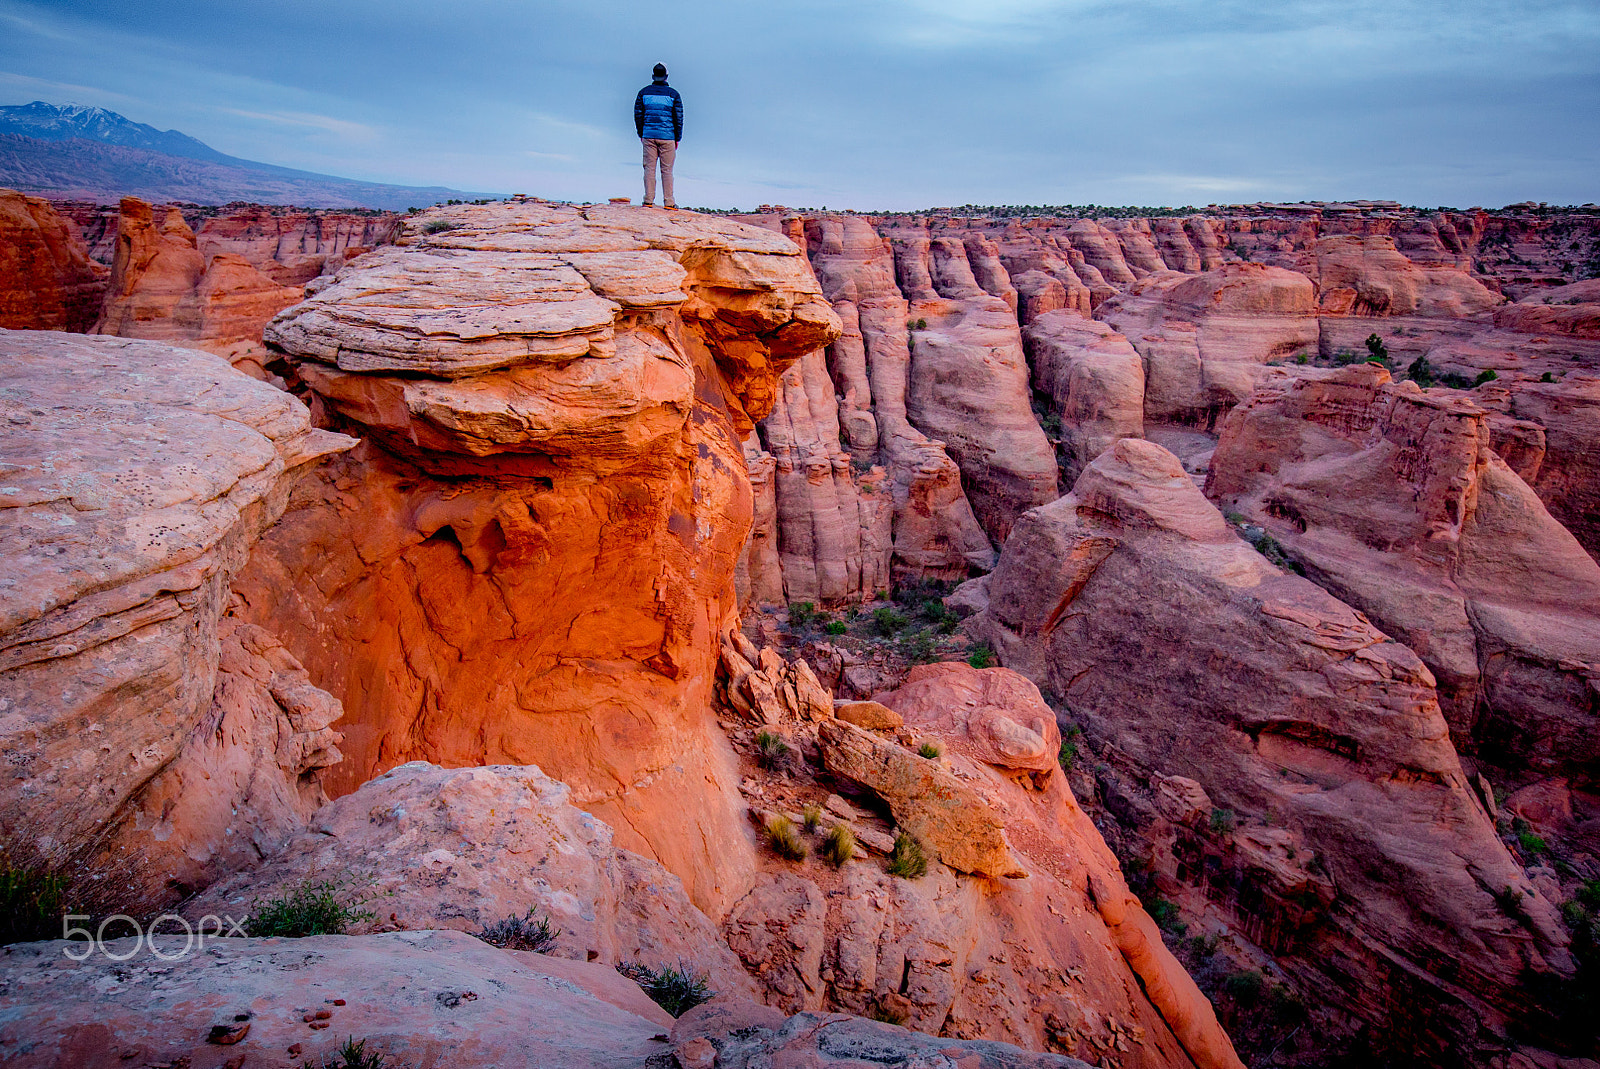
(138, 476)
(529, 559)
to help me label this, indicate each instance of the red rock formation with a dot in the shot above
(935, 532)
(528, 559)
(163, 288)
(1022, 930)
(47, 281)
(1394, 500)
(1095, 378)
(968, 380)
(1206, 338)
(1573, 309)
(1363, 865)
(139, 475)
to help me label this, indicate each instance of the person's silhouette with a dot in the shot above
(658, 117)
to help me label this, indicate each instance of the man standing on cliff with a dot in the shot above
(658, 116)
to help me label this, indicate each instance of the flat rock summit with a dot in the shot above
(536, 634)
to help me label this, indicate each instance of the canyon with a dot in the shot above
(1211, 598)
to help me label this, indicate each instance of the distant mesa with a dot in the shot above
(87, 153)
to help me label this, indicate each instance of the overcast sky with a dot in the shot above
(860, 104)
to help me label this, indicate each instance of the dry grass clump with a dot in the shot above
(784, 838)
(907, 860)
(840, 845)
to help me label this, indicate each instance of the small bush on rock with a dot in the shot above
(811, 816)
(982, 657)
(676, 990)
(836, 627)
(802, 614)
(355, 1055)
(1223, 821)
(315, 907)
(32, 903)
(784, 838)
(530, 932)
(907, 860)
(929, 750)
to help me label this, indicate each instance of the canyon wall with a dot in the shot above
(47, 281)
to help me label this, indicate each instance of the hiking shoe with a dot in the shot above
(670, 207)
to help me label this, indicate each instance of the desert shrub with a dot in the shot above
(1067, 756)
(811, 816)
(1454, 381)
(1344, 358)
(885, 1014)
(836, 627)
(770, 749)
(676, 990)
(1509, 901)
(918, 647)
(1421, 372)
(982, 657)
(907, 860)
(1165, 913)
(1486, 375)
(839, 845)
(1245, 987)
(439, 226)
(784, 838)
(1531, 844)
(802, 614)
(922, 324)
(1547, 377)
(353, 1054)
(887, 622)
(929, 750)
(1302, 358)
(1377, 351)
(529, 932)
(32, 903)
(313, 907)
(1223, 821)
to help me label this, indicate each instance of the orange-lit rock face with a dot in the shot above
(530, 558)
(47, 281)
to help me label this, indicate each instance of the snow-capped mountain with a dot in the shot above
(60, 122)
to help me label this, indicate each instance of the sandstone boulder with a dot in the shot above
(418, 998)
(1367, 275)
(1394, 500)
(1095, 378)
(140, 475)
(464, 848)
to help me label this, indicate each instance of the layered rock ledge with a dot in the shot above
(529, 559)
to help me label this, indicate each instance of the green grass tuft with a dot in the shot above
(676, 990)
(32, 903)
(314, 907)
(907, 860)
(784, 838)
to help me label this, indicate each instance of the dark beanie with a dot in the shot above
(660, 70)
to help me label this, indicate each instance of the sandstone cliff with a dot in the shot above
(530, 555)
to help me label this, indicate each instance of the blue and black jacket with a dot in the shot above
(658, 112)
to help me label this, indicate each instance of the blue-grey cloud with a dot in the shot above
(898, 104)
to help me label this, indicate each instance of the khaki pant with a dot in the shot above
(665, 151)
